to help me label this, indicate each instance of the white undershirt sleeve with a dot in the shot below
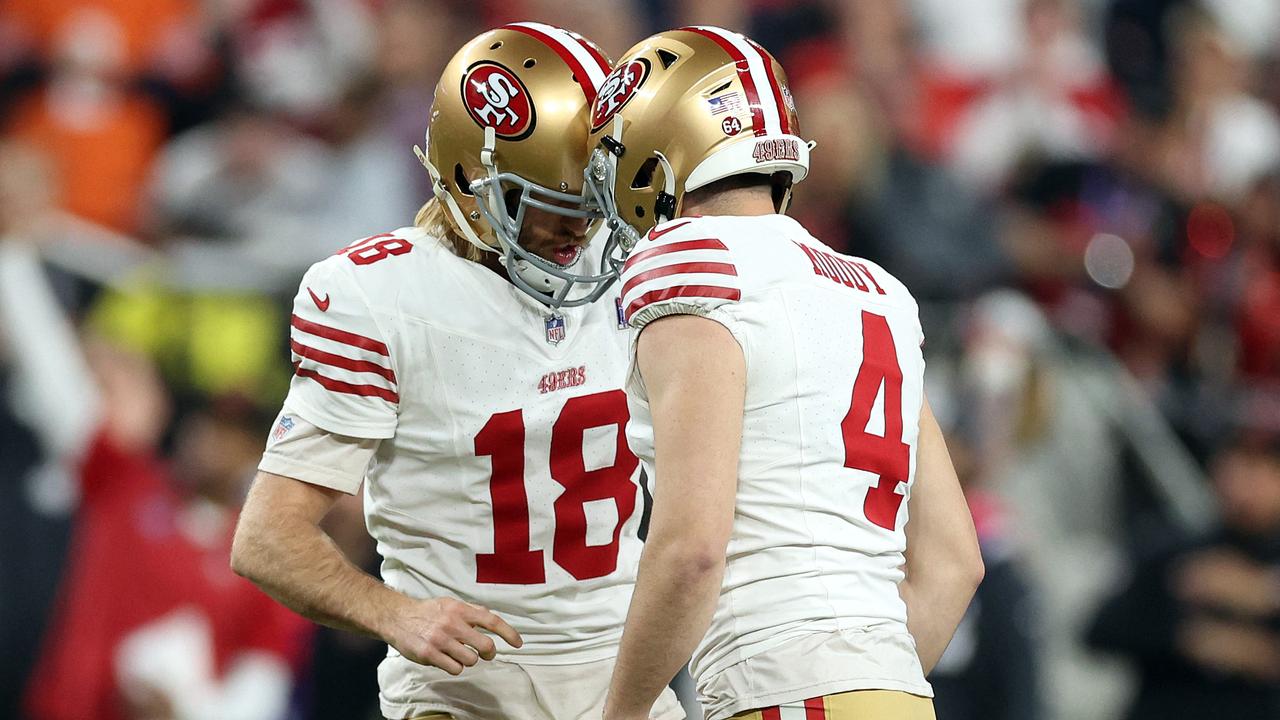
(302, 451)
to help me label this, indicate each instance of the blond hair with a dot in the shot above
(433, 218)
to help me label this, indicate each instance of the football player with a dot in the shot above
(462, 371)
(779, 406)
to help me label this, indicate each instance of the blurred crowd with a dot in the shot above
(1083, 194)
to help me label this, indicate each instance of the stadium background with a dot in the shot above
(1083, 194)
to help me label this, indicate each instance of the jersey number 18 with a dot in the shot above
(513, 561)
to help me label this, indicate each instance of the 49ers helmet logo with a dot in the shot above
(618, 88)
(495, 97)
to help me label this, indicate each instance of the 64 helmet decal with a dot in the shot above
(718, 107)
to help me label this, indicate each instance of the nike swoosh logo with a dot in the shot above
(322, 304)
(655, 233)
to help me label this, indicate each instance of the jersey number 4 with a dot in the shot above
(512, 561)
(886, 456)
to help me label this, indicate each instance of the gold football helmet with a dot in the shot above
(682, 109)
(508, 132)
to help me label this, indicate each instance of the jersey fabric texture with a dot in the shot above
(830, 427)
(502, 476)
(533, 692)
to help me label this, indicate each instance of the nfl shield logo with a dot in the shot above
(282, 428)
(622, 317)
(555, 329)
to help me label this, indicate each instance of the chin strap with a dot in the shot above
(664, 208)
(441, 192)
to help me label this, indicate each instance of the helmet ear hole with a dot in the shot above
(644, 175)
(460, 179)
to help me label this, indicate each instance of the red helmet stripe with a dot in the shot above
(744, 74)
(784, 119)
(593, 51)
(588, 78)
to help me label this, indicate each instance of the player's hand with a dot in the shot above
(445, 632)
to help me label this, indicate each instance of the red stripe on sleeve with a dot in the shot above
(339, 361)
(784, 120)
(772, 713)
(744, 74)
(338, 386)
(713, 268)
(584, 79)
(342, 336)
(702, 244)
(815, 709)
(680, 291)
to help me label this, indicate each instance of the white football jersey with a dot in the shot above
(503, 476)
(831, 422)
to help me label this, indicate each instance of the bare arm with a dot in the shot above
(944, 565)
(280, 547)
(696, 378)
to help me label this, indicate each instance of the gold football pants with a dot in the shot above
(857, 705)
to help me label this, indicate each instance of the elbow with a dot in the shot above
(704, 563)
(697, 569)
(957, 566)
(976, 570)
(690, 562)
(239, 561)
(968, 567)
(242, 556)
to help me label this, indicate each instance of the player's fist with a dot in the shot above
(445, 632)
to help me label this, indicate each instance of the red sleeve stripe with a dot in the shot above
(342, 336)
(682, 291)
(784, 119)
(771, 713)
(338, 386)
(815, 709)
(683, 245)
(338, 361)
(586, 69)
(689, 268)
